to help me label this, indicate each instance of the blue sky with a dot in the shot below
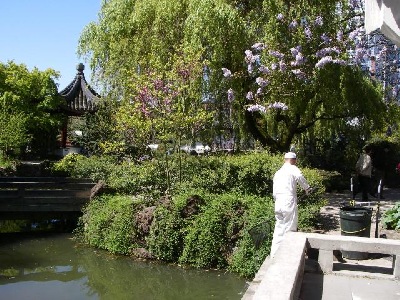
(45, 34)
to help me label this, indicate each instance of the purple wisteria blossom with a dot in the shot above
(339, 62)
(299, 74)
(258, 46)
(278, 105)
(308, 33)
(231, 95)
(249, 96)
(257, 107)
(326, 51)
(276, 54)
(294, 51)
(250, 68)
(394, 91)
(227, 72)
(356, 34)
(261, 82)
(282, 66)
(299, 58)
(293, 24)
(360, 52)
(279, 17)
(263, 69)
(318, 21)
(353, 122)
(339, 36)
(259, 91)
(326, 39)
(323, 61)
(250, 58)
(354, 4)
(274, 66)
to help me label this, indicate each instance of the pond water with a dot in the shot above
(53, 266)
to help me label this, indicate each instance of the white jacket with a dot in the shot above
(364, 165)
(285, 180)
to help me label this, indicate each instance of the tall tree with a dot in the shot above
(29, 99)
(301, 78)
(136, 37)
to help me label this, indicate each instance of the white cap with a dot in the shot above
(290, 155)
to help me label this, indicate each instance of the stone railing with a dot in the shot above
(281, 277)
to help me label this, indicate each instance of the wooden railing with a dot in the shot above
(42, 197)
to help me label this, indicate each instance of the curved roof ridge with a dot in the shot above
(79, 97)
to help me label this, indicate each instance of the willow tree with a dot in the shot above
(301, 77)
(134, 38)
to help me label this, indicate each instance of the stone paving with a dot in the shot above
(366, 279)
(331, 212)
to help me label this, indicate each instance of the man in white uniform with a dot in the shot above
(285, 196)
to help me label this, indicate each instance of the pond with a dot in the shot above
(53, 266)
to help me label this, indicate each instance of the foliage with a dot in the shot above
(391, 218)
(207, 240)
(165, 238)
(107, 223)
(13, 225)
(99, 131)
(7, 166)
(234, 194)
(163, 107)
(68, 164)
(301, 81)
(13, 133)
(247, 257)
(247, 173)
(189, 37)
(27, 99)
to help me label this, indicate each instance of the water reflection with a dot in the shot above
(54, 267)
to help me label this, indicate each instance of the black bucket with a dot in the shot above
(355, 221)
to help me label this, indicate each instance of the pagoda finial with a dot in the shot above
(80, 67)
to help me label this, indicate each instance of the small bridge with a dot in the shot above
(43, 197)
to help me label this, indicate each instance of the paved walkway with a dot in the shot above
(331, 218)
(366, 279)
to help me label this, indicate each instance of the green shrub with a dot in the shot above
(79, 166)
(236, 193)
(165, 239)
(67, 164)
(391, 218)
(207, 238)
(144, 178)
(108, 223)
(310, 205)
(256, 236)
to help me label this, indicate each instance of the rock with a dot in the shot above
(98, 189)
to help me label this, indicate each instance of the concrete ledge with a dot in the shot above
(281, 277)
(285, 270)
(327, 243)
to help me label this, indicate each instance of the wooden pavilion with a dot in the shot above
(79, 99)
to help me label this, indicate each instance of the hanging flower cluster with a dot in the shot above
(263, 62)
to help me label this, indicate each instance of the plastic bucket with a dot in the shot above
(355, 221)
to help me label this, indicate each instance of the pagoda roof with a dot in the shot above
(79, 97)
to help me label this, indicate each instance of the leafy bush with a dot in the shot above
(68, 164)
(391, 218)
(107, 223)
(207, 238)
(234, 193)
(165, 239)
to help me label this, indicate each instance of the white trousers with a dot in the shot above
(286, 219)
